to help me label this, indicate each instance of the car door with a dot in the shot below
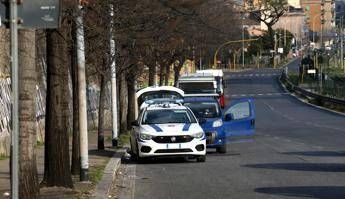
(239, 120)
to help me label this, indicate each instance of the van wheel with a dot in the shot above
(221, 149)
(201, 158)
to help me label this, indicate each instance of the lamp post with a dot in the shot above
(227, 43)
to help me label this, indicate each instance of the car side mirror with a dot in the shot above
(229, 117)
(201, 120)
(135, 123)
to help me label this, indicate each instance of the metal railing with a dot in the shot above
(320, 99)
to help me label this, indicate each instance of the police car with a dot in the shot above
(167, 129)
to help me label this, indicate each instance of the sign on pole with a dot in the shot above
(4, 13)
(39, 14)
(311, 71)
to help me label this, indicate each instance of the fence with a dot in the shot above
(317, 97)
(5, 111)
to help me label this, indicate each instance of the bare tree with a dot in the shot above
(57, 170)
(28, 180)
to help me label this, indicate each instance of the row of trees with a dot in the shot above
(150, 36)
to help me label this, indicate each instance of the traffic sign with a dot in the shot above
(40, 14)
(4, 12)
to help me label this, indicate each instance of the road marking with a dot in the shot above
(256, 94)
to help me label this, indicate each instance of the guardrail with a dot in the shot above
(320, 99)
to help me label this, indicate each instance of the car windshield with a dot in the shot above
(205, 109)
(197, 87)
(163, 116)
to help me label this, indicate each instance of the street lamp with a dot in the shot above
(227, 43)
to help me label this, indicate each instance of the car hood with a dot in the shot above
(171, 129)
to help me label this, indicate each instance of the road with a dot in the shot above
(298, 152)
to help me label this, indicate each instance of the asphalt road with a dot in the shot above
(298, 152)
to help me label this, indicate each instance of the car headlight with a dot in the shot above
(144, 136)
(198, 135)
(217, 123)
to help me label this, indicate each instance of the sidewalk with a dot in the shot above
(98, 160)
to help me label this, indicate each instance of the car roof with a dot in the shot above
(199, 99)
(165, 106)
(159, 88)
(213, 72)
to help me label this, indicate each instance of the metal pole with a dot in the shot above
(113, 80)
(84, 153)
(275, 50)
(242, 42)
(342, 43)
(15, 96)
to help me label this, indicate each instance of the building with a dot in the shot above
(294, 22)
(320, 19)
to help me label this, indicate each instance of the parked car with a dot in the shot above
(221, 126)
(167, 129)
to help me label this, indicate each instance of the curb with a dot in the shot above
(306, 102)
(103, 187)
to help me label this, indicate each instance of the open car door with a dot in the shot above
(239, 120)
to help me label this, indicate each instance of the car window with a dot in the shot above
(197, 87)
(205, 109)
(240, 110)
(168, 116)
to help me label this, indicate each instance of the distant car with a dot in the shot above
(167, 129)
(221, 126)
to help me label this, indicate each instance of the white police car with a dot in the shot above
(167, 129)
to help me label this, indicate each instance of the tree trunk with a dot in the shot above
(161, 74)
(75, 167)
(152, 74)
(131, 101)
(123, 102)
(167, 75)
(101, 113)
(57, 170)
(28, 180)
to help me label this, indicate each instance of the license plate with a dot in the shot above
(173, 146)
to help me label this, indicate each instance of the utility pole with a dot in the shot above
(342, 43)
(243, 41)
(15, 98)
(84, 153)
(113, 79)
(275, 49)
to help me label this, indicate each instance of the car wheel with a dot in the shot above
(139, 159)
(221, 149)
(201, 158)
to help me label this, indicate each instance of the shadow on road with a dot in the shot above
(160, 160)
(319, 167)
(319, 192)
(318, 153)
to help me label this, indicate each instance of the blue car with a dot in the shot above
(236, 122)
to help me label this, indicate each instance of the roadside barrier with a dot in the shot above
(319, 99)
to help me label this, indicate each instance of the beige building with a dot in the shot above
(294, 22)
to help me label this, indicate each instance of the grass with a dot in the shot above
(39, 143)
(2, 157)
(96, 172)
(124, 139)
